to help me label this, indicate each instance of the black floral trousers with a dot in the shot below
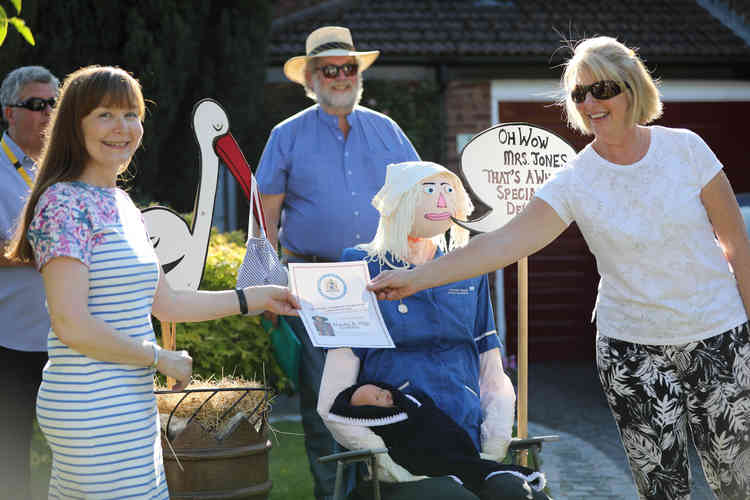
(656, 391)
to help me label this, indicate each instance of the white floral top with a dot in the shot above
(664, 279)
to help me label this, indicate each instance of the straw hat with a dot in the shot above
(325, 42)
(401, 177)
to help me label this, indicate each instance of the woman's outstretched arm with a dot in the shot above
(533, 229)
(199, 305)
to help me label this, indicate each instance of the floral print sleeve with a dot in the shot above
(61, 227)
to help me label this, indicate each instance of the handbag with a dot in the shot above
(261, 265)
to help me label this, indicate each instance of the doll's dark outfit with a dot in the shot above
(425, 440)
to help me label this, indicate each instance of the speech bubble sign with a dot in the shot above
(503, 167)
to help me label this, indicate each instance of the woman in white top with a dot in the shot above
(672, 343)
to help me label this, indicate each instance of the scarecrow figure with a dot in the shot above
(447, 348)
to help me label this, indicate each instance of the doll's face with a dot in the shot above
(432, 214)
(372, 395)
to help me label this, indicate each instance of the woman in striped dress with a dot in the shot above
(96, 405)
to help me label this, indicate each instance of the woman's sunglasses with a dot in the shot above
(35, 104)
(331, 71)
(602, 90)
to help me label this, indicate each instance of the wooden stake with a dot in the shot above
(169, 341)
(523, 353)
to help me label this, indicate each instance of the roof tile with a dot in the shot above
(497, 28)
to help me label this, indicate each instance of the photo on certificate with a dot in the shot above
(337, 309)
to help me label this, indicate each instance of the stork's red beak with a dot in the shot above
(231, 154)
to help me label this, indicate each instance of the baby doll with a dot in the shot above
(420, 437)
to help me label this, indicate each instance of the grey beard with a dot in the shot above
(348, 101)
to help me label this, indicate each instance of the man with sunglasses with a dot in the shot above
(27, 96)
(317, 175)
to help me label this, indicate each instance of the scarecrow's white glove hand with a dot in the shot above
(340, 371)
(498, 402)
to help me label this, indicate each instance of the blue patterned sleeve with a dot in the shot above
(485, 334)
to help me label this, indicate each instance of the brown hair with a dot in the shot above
(64, 156)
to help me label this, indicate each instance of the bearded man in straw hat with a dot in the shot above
(318, 172)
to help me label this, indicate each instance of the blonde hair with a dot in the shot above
(607, 59)
(392, 235)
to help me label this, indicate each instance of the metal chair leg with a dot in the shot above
(338, 489)
(348, 457)
(375, 482)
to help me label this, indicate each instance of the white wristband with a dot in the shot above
(156, 349)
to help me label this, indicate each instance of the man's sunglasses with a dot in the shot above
(331, 71)
(602, 90)
(35, 103)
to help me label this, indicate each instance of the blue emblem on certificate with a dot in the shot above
(331, 286)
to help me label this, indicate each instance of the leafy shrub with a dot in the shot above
(235, 345)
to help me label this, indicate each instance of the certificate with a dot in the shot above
(337, 309)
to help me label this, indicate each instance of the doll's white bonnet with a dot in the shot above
(400, 178)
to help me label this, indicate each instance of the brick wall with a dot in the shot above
(467, 111)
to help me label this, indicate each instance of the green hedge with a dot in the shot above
(235, 345)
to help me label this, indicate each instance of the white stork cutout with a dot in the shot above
(182, 249)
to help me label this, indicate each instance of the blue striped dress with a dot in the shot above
(99, 418)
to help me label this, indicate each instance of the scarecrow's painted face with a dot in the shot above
(432, 214)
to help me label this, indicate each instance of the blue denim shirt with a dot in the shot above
(23, 310)
(438, 343)
(329, 180)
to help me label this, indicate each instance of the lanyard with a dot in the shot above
(15, 162)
